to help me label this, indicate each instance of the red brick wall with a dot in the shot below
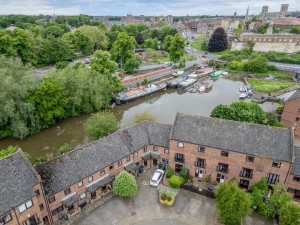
(290, 113)
(236, 161)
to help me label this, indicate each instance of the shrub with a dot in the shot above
(124, 185)
(64, 149)
(169, 173)
(39, 160)
(8, 151)
(61, 65)
(184, 173)
(175, 181)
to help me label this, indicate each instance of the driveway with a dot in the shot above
(144, 209)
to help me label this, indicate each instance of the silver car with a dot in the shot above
(157, 177)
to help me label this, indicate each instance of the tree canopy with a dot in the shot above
(176, 48)
(218, 40)
(124, 185)
(100, 125)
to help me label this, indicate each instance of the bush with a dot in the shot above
(124, 185)
(8, 151)
(184, 173)
(39, 160)
(175, 181)
(64, 149)
(169, 173)
(61, 65)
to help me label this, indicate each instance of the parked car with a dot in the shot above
(203, 56)
(86, 60)
(157, 177)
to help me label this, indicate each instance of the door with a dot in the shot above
(220, 178)
(178, 168)
(199, 173)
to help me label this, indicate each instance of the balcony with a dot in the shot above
(222, 169)
(200, 164)
(179, 159)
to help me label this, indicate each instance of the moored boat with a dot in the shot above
(185, 84)
(217, 73)
(208, 83)
(130, 96)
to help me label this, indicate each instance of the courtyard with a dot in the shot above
(144, 209)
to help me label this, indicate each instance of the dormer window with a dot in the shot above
(276, 164)
(180, 144)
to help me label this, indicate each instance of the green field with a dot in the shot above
(277, 74)
(266, 86)
(196, 44)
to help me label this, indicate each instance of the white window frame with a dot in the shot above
(25, 206)
(102, 172)
(180, 144)
(166, 151)
(80, 184)
(82, 196)
(90, 179)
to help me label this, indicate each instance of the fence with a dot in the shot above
(196, 190)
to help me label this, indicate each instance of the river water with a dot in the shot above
(164, 106)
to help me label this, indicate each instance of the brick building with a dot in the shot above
(214, 148)
(291, 113)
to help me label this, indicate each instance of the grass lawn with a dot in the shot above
(185, 56)
(267, 86)
(276, 73)
(197, 42)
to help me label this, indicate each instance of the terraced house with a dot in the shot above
(214, 148)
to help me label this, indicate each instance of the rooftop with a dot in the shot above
(295, 95)
(16, 171)
(296, 166)
(287, 21)
(247, 138)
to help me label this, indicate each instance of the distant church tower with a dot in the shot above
(234, 16)
(247, 13)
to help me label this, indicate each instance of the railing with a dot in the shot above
(246, 174)
(200, 164)
(180, 160)
(222, 169)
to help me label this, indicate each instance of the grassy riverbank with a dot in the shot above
(266, 86)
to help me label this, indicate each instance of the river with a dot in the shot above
(164, 106)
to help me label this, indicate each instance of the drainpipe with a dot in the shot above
(16, 215)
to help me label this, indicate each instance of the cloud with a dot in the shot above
(138, 7)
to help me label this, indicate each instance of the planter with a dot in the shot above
(167, 197)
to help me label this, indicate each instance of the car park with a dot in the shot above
(157, 177)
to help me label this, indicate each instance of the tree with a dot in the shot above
(17, 81)
(97, 37)
(100, 125)
(6, 44)
(250, 45)
(290, 214)
(181, 63)
(138, 118)
(61, 65)
(122, 49)
(78, 42)
(204, 44)
(233, 203)
(152, 54)
(237, 32)
(124, 185)
(167, 30)
(151, 43)
(101, 63)
(177, 48)
(131, 64)
(218, 41)
(258, 64)
(139, 38)
(50, 102)
(167, 42)
(54, 31)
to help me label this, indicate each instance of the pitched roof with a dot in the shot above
(159, 134)
(287, 21)
(295, 95)
(16, 171)
(247, 138)
(296, 166)
(74, 166)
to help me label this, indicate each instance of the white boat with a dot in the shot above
(185, 84)
(243, 95)
(208, 83)
(202, 88)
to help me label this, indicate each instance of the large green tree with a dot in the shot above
(50, 102)
(176, 48)
(100, 125)
(78, 42)
(97, 37)
(122, 49)
(233, 203)
(124, 185)
(17, 81)
(289, 214)
(6, 44)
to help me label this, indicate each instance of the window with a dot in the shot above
(296, 179)
(111, 167)
(276, 164)
(299, 110)
(180, 144)
(128, 158)
(90, 179)
(179, 158)
(67, 191)
(297, 119)
(222, 168)
(5, 219)
(291, 190)
(25, 206)
(41, 206)
(249, 158)
(224, 153)
(120, 163)
(136, 154)
(82, 196)
(57, 210)
(272, 178)
(166, 151)
(200, 162)
(247, 173)
(80, 184)
(155, 148)
(145, 149)
(37, 192)
(102, 172)
(201, 149)
(51, 199)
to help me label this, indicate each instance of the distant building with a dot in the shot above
(285, 24)
(265, 14)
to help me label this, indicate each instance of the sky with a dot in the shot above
(141, 7)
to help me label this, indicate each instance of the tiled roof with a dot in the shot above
(74, 166)
(287, 21)
(296, 166)
(16, 181)
(247, 138)
(159, 134)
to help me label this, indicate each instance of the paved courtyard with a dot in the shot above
(144, 209)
